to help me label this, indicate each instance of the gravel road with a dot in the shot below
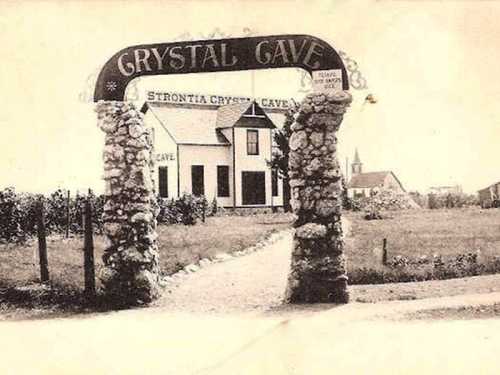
(250, 283)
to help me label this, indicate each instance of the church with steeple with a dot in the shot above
(365, 184)
(356, 166)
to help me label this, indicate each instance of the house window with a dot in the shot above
(163, 181)
(274, 182)
(252, 142)
(222, 181)
(197, 180)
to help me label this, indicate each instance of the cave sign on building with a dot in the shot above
(365, 184)
(215, 151)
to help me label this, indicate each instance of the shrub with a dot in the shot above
(201, 207)
(168, 212)
(437, 201)
(187, 207)
(12, 217)
(385, 200)
(373, 214)
(18, 213)
(367, 275)
(405, 269)
(185, 210)
(213, 207)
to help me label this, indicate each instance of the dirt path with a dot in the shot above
(251, 283)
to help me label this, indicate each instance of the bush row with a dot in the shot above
(18, 212)
(380, 200)
(402, 269)
(186, 210)
(387, 200)
(451, 200)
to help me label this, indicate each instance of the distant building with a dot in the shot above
(365, 184)
(490, 196)
(215, 151)
(445, 190)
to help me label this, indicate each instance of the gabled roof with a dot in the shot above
(370, 179)
(234, 115)
(202, 126)
(188, 125)
(227, 115)
(492, 186)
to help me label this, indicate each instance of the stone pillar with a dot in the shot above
(318, 270)
(132, 273)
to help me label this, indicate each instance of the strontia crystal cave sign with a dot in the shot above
(267, 52)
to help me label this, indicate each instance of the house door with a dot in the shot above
(253, 187)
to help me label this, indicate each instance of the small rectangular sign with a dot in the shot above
(327, 81)
(275, 104)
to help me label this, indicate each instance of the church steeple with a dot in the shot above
(356, 166)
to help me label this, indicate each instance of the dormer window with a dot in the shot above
(254, 111)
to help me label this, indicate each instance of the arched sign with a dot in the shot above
(221, 55)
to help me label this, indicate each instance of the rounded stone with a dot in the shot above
(146, 286)
(343, 97)
(135, 130)
(326, 208)
(145, 217)
(111, 229)
(296, 126)
(311, 231)
(298, 140)
(316, 139)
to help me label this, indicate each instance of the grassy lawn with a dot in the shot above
(415, 233)
(411, 234)
(179, 246)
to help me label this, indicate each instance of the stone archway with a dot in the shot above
(131, 257)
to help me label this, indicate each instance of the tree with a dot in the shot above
(279, 161)
(432, 201)
(346, 201)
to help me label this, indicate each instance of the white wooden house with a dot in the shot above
(217, 152)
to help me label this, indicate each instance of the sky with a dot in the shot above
(432, 66)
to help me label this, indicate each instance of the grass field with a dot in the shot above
(179, 245)
(408, 233)
(415, 233)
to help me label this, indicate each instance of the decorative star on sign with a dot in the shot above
(111, 85)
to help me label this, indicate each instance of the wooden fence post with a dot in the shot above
(42, 243)
(88, 250)
(68, 219)
(384, 251)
